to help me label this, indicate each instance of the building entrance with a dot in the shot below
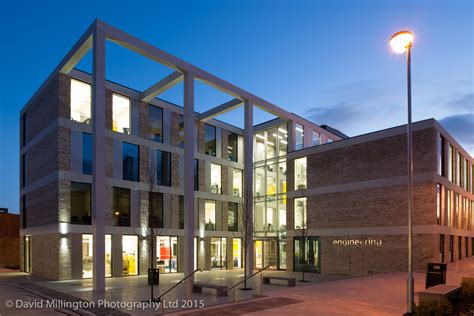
(266, 253)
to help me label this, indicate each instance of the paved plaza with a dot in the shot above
(381, 294)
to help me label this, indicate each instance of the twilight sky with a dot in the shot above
(328, 61)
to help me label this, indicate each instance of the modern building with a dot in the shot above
(9, 240)
(102, 163)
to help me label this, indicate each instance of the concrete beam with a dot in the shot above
(79, 53)
(220, 109)
(98, 164)
(161, 86)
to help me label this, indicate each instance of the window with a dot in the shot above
(80, 101)
(167, 253)
(232, 218)
(181, 212)
(155, 209)
(306, 254)
(155, 123)
(283, 140)
(86, 153)
(259, 151)
(210, 215)
(439, 203)
(130, 162)
(163, 168)
(300, 213)
(330, 140)
(122, 206)
(299, 137)
(459, 170)
(216, 178)
(449, 207)
(219, 253)
(271, 147)
(315, 139)
(209, 140)
(232, 146)
(23, 170)
(88, 256)
(440, 156)
(120, 114)
(236, 182)
(81, 203)
(130, 254)
(237, 252)
(300, 173)
(181, 131)
(196, 174)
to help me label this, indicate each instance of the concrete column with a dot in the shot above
(98, 164)
(188, 182)
(248, 186)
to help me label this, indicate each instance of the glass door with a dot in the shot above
(270, 253)
(258, 254)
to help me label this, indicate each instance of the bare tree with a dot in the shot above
(302, 229)
(246, 227)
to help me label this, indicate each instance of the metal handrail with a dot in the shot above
(245, 279)
(181, 281)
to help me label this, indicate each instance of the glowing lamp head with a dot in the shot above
(400, 41)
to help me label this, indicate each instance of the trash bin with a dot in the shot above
(153, 276)
(435, 274)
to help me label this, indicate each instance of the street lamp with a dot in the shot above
(402, 42)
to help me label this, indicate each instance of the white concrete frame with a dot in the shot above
(95, 38)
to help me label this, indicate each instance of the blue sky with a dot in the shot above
(328, 61)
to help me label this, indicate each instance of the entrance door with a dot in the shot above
(266, 253)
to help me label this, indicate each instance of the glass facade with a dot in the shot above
(120, 114)
(167, 253)
(80, 101)
(131, 160)
(163, 168)
(155, 123)
(86, 153)
(121, 206)
(237, 180)
(81, 203)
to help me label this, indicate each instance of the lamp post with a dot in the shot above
(402, 42)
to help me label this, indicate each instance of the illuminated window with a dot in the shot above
(80, 101)
(272, 139)
(300, 213)
(167, 253)
(155, 123)
(232, 217)
(300, 173)
(210, 215)
(87, 256)
(120, 114)
(237, 253)
(130, 254)
(218, 253)
(216, 178)
(237, 182)
(232, 146)
(260, 146)
(299, 136)
(282, 140)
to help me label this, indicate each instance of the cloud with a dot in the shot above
(463, 103)
(461, 127)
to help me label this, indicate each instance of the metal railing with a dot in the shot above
(232, 288)
(179, 282)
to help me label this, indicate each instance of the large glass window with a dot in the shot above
(216, 178)
(300, 173)
(88, 257)
(163, 168)
(130, 155)
(167, 253)
(219, 253)
(209, 140)
(315, 139)
(259, 146)
(300, 213)
(130, 254)
(120, 114)
(81, 203)
(156, 209)
(299, 136)
(80, 101)
(232, 146)
(283, 140)
(306, 254)
(232, 217)
(237, 182)
(282, 249)
(121, 206)
(272, 139)
(86, 153)
(237, 253)
(155, 123)
(210, 215)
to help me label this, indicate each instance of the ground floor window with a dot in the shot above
(266, 253)
(218, 253)
(237, 253)
(27, 254)
(307, 254)
(88, 257)
(130, 254)
(282, 259)
(167, 253)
